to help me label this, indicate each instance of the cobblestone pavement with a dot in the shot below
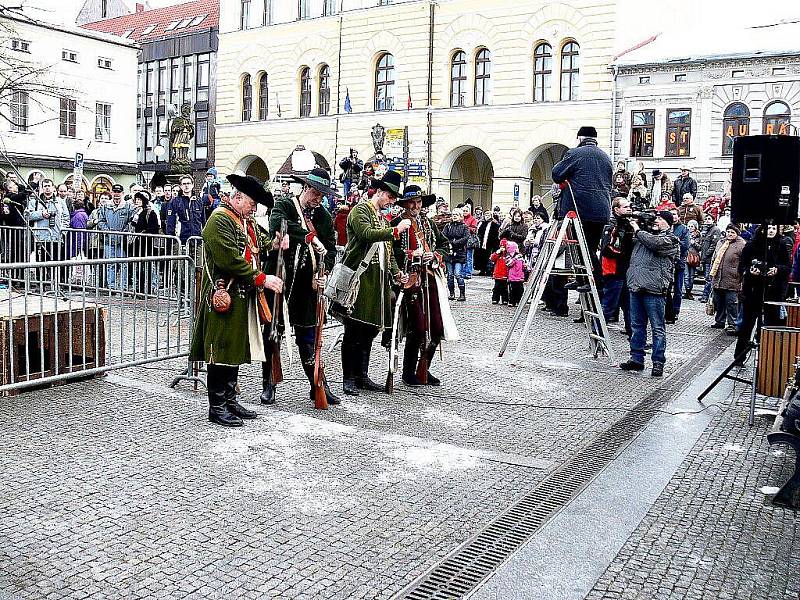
(119, 487)
(713, 534)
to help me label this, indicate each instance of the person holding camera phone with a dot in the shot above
(764, 265)
(649, 276)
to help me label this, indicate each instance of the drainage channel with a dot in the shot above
(470, 564)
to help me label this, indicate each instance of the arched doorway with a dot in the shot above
(255, 167)
(100, 184)
(539, 166)
(470, 173)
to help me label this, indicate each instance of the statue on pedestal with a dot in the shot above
(181, 132)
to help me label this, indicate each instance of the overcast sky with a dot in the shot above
(638, 19)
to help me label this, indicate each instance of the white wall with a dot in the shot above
(88, 84)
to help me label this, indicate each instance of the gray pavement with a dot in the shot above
(119, 487)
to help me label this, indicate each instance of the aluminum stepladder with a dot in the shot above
(570, 233)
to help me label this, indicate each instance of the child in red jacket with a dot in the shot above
(500, 274)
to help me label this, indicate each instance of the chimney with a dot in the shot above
(139, 7)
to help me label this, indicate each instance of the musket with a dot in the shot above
(277, 311)
(393, 354)
(320, 399)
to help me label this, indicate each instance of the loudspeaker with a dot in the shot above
(765, 181)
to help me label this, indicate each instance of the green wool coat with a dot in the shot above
(301, 297)
(364, 227)
(222, 339)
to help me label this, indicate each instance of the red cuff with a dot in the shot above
(310, 237)
(439, 257)
(260, 279)
(395, 233)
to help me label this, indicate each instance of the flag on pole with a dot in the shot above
(408, 106)
(348, 108)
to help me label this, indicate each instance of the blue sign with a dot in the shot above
(516, 192)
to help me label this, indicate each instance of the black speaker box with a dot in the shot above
(766, 179)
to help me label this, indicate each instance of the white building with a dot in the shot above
(681, 98)
(90, 106)
(497, 90)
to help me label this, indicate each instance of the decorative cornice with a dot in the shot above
(712, 65)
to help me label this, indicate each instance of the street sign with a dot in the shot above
(516, 192)
(77, 172)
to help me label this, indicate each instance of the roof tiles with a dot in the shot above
(160, 19)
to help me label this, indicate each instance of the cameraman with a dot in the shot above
(616, 247)
(765, 265)
(649, 276)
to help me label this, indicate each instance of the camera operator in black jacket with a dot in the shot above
(765, 265)
(616, 247)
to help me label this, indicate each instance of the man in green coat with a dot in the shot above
(372, 310)
(309, 228)
(225, 340)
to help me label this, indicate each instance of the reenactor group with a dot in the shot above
(258, 282)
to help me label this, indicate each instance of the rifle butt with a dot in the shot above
(277, 368)
(422, 371)
(320, 399)
(389, 387)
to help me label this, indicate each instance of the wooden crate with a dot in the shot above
(45, 346)
(779, 348)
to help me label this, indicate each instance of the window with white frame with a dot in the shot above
(19, 111)
(102, 122)
(67, 117)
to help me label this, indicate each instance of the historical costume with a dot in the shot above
(372, 311)
(227, 339)
(425, 312)
(311, 240)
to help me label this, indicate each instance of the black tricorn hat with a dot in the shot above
(319, 179)
(247, 184)
(390, 182)
(587, 131)
(414, 192)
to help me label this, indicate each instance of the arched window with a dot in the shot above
(542, 72)
(777, 119)
(263, 97)
(458, 79)
(324, 90)
(247, 98)
(305, 92)
(735, 122)
(384, 83)
(483, 77)
(570, 67)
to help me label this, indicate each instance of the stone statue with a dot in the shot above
(181, 131)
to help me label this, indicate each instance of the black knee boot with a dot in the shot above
(348, 372)
(217, 383)
(233, 405)
(431, 352)
(364, 382)
(306, 353)
(410, 359)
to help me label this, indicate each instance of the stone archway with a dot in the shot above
(469, 173)
(538, 167)
(254, 166)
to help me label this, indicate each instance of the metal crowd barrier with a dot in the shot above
(66, 319)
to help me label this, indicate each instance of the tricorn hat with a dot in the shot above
(247, 184)
(390, 182)
(414, 192)
(319, 179)
(587, 131)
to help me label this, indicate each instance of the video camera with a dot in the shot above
(645, 218)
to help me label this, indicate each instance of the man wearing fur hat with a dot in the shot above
(311, 240)
(425, 312)
(227, 332)
(585, 177)
(368, 233)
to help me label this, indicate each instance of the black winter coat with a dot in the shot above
(458, 234)
(776, 255)
(516, 232)
(493, 239)
(683, 186)
(588, 170)
(708, 243)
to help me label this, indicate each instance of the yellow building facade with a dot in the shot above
(497, 90)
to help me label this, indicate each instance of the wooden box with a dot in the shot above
(779, 348)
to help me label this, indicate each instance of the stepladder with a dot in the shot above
(563, 252)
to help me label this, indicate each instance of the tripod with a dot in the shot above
(753, 343)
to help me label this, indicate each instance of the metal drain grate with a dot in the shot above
(470, 564)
